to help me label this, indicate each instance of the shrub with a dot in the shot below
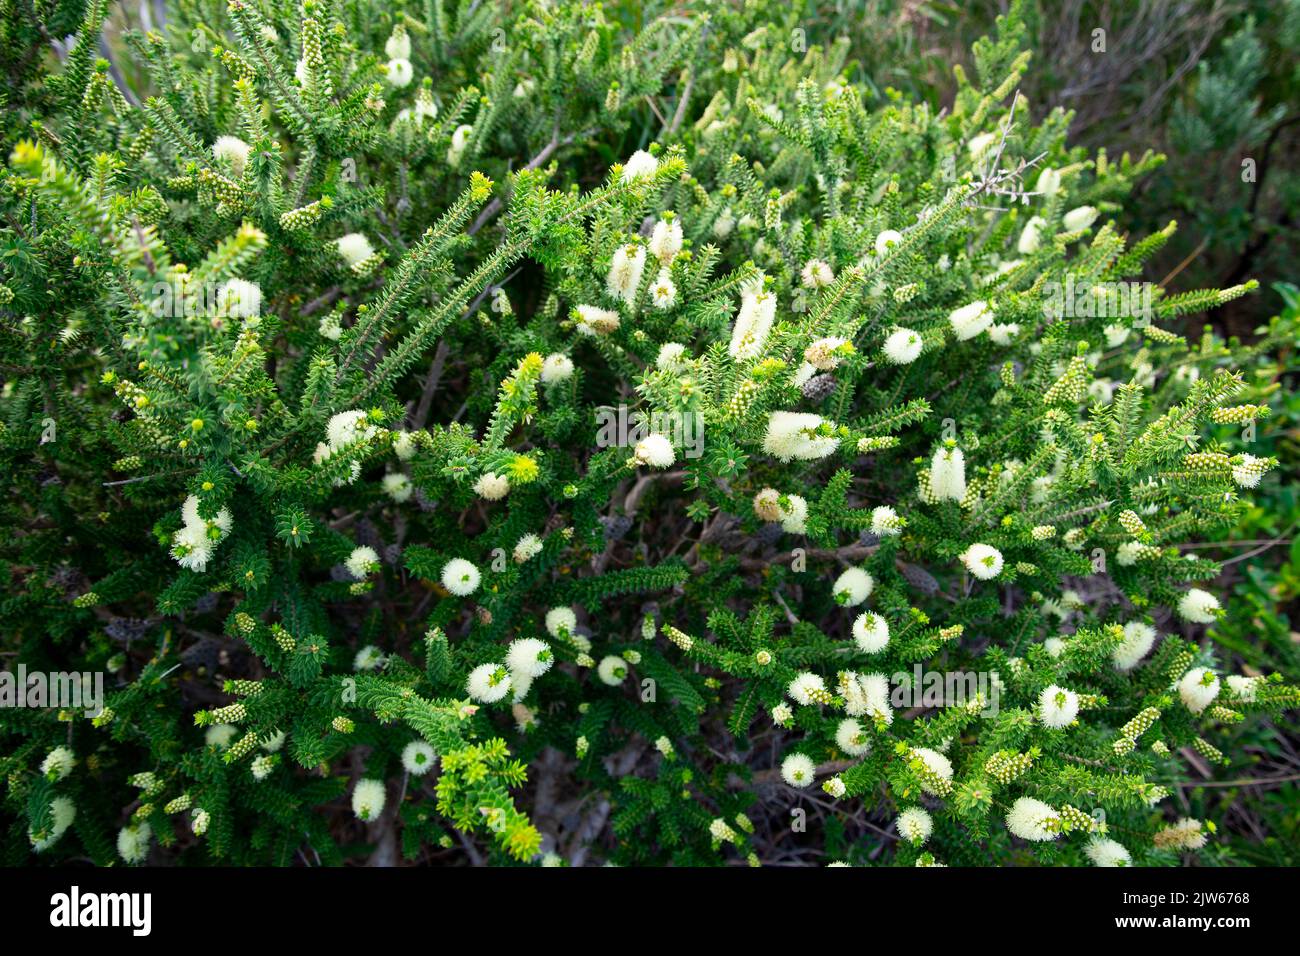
(633, 422)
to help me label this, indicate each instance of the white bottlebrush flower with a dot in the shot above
(1030, 236)
(459, 141)
(301, 72)
(273, 743)
(915, 825)
(239, 298)
(782, 714)
(1199, 607)
(58, 763)
(1048, 183)
(801, 376)
(488, 683)
(1248, 473)
(460, 577)
(721, 831)
(398, 487)
(1128, 553)
(903, 346)
(753, 324)
(1030, 819)
(368, 798)
(724, 225)
(1198, 688)
(796, 435)
(663, 293)
(62, 812)
(347, 428)
(527, 547)
(425, 107)
(655, 451)
(612, 670)
(1004, 333)
(369, 658)
(354, 248)
(806, 688)
(867, 695)
(133, 842)
(816, 274)
(794, 514)
(330, 327)
(1139, 638)
(561, 622)
(192, 548)
(853, 587)
(970, 320)
(767, 504)
(491, 486)
(1080, 218)
(625, 270)
(885, 521)
(948, 474)
(666, 240)
(362, 561)
(594, 321)
(400, 73)
(221, 522)
(1116, 335)
(886, 239)
(233, 150)
(398, 45)
(826, 353)
(671, 357)
(851, 738)
(798, 770)
(936, 763)
(978, 145)
(404, 446)
(219, 735)
(1186, 834)
(1105, 852)
(525, 717)
(871, 632)
(261, 766)
(556, 368)
(639, 165)
(529, 656)
(983, 561)
(418, 758)
(1057, 707)
(521, 684)
(1243, 688)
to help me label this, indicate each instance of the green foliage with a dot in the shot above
(309, 354)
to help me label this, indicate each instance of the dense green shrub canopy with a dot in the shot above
(446, 421)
